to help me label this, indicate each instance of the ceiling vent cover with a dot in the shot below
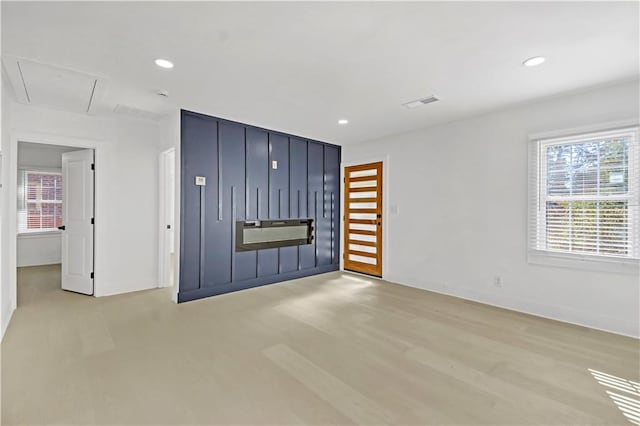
(136, 112)
(420, 102)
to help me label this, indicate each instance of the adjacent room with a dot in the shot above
(327, 213)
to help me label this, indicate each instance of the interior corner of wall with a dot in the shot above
(7, 314)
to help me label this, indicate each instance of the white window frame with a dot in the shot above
(537, 201)
(22, 201)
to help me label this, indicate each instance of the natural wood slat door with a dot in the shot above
(363, 218)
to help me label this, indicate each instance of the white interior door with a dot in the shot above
(77, 214)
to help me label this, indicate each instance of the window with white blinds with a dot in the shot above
(585, 195)
(39, 201)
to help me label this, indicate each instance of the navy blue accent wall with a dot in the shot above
(241, 184)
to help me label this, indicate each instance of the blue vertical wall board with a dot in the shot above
(279, 177)
(279, 171)
(298, 178)
(199, 138)
(323, 241)
(298, 186)
(331, 191)
(315, 170)
(258, 189)
(244, 183)
(220, 238)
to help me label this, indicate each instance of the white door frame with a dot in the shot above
(163, 246)
(12, 193)
(384, 159)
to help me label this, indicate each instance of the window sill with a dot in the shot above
(39, 234)
(584, 262)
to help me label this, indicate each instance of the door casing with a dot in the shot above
(10, 190)
(167, 162)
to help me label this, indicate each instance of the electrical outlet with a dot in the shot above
(497, 281)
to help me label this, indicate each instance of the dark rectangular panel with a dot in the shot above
(245, 265)
(332, 199)
(198, 158)
(255, 170)
(324, 225)
(315, 170)
(257, 197)
(278, 177)
(220, 227)
(298, 186)
(298, 178)
(257, 173)
(279, 196)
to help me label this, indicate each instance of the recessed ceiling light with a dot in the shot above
(163, 63)
(533, 62)
(343, 121)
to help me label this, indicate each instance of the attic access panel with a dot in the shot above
(52, 86)
(263, 234)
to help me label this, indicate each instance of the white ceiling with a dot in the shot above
(299, 67)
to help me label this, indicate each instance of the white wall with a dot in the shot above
(41, 156)
(126, 189)
(6, 273)
(461, 194)
(39, 248)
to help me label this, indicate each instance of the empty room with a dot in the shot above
(320, 213)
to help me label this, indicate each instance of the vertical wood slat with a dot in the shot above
(366, 268)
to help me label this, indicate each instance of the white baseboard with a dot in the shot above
(122, 288)
(598, 322)
(40, 262)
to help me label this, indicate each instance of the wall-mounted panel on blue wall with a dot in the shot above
(252, 174)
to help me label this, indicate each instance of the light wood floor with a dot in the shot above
(332, 349)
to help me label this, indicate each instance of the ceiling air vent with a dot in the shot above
(420, 102)
(136, 112)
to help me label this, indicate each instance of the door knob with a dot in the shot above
(62, 228)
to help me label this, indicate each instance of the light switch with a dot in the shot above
(201, 180)
(274, 164)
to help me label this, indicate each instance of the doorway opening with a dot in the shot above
(167, 254)
(55, 219)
